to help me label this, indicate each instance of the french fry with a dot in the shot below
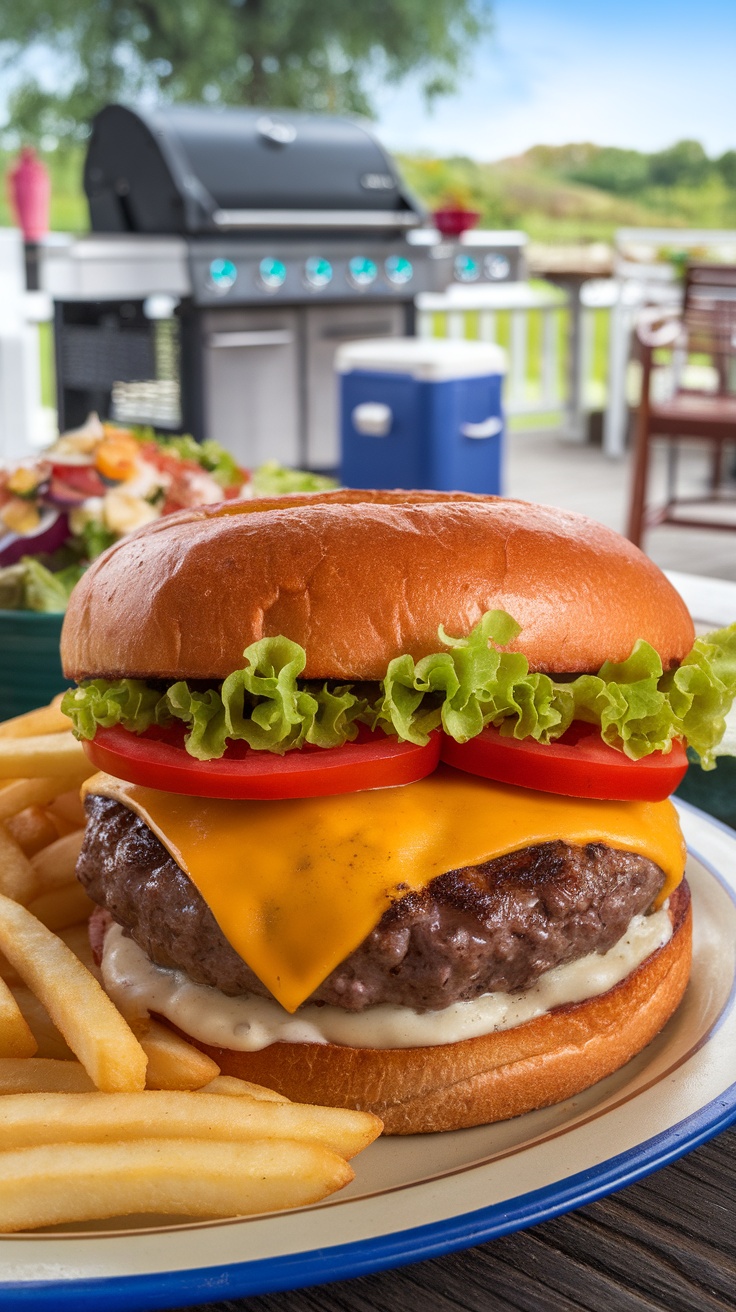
(32, 829)
(235, 1088)
(76, 938)
(17, 876)
(70, 808)
(49, 1042)
(46, 754)
(8, 972)
(42, 1075)
(182, 1177)
(31, 1119)
(61, 825)
(172, 1062)
(16, 1037)
(41, 790)
(47, 719)
(76, 1003)
(62, 907)
(55, 864)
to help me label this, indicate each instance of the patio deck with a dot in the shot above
(542, 466)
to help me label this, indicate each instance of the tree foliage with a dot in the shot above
(65, 59)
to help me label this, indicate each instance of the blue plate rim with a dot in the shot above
(172, 1289)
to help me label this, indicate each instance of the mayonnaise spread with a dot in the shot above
(248, 1023)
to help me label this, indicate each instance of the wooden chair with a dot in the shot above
(705, 326)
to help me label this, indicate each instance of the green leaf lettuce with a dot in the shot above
(638, 708)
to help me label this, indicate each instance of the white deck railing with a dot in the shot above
(549, 334)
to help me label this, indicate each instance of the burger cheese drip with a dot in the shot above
(296, 886)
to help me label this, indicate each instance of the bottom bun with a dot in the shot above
(494, 1076)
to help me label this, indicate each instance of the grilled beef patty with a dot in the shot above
(495, 926)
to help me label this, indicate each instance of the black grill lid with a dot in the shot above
(190, 169)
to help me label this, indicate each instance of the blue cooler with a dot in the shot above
(421, 412)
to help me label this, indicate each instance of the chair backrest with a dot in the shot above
(709, 315)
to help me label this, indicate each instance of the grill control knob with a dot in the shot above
(362, 271)
(466, 268)
(497, 266)
(317, 272)
(223, 275)
(272, 273)
(399, 270)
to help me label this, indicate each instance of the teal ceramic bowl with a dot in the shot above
(30, 666)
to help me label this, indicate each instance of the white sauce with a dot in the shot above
(248, 1023)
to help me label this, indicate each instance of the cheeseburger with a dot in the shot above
(382, 816)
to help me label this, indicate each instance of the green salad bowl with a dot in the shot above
(30, 665)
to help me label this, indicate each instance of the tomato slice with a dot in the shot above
(579, 764)
(373, 761)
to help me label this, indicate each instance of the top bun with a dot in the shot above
(360, 577)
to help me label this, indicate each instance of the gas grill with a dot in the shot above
(232, 252)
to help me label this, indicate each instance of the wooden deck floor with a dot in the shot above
(541, 466)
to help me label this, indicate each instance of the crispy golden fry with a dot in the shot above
(42, 1075)
(70, 808)
(55, 865)
(30, 1119)
(236, 1088)
(16, 1037)
(8, 972)
(17, 876)
(62, 907)
(47, 719)
(180, 1177)
(76, 938)
(172, 1062)
(48, 753)
(32, 829)
(77, 1005)
(50, 1043)
(41, 790)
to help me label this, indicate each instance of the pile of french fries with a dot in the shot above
(97, 1120)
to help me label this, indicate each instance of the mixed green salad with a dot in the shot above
(60, 510)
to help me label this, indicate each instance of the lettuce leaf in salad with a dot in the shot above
(209, 454)
(638, 708)
(47, 590)
(272, 479)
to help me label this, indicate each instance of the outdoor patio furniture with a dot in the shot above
(706, 329)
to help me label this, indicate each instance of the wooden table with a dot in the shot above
(666, 1243)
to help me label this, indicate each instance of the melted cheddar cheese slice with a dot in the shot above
(295, 886)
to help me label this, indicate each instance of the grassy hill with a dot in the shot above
(573, 193)
(583, 192)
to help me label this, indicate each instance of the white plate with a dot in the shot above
(416, 1197)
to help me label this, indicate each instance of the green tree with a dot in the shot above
(68, 58)
(684, 164)
(624, 172)
(726, 166)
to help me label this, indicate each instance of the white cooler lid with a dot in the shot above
(430, 359)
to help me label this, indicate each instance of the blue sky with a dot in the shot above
(636, 73)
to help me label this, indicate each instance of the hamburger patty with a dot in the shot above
(495, 926)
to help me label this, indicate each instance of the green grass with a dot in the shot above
(535, 192)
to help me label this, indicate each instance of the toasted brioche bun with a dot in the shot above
(495, 1076)
(358, 578)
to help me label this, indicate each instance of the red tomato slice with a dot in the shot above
(375, 761)
(579, 764)
(75, 482)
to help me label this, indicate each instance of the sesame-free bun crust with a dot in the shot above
(495, 1076)
(357, 578)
